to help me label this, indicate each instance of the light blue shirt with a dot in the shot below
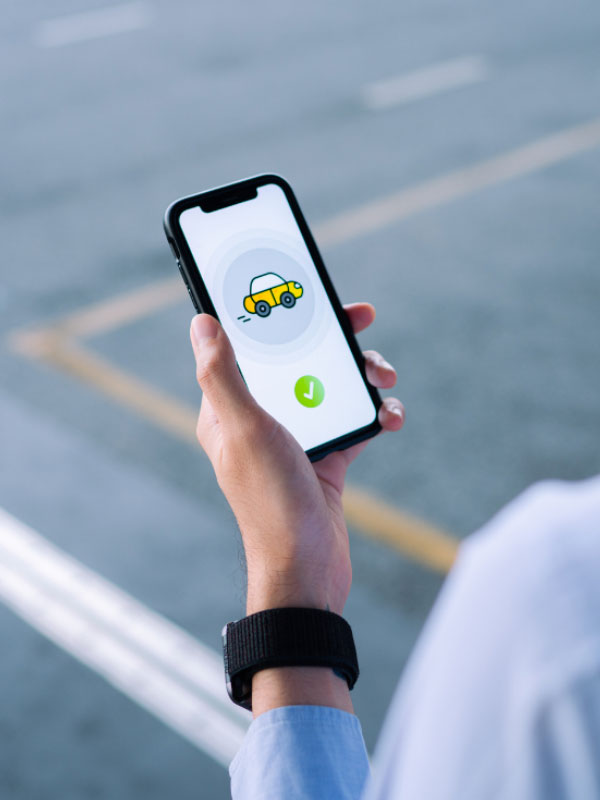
(501, 698)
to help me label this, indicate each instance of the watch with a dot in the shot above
(286, 637)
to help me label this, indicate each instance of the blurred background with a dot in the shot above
(448, 159)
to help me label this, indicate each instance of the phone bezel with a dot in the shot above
(240, 191)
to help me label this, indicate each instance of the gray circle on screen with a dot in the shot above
(275, 320)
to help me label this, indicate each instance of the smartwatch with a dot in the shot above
(286, 637)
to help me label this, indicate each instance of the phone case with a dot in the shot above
(230, 194)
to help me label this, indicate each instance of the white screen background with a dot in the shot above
(223, 242)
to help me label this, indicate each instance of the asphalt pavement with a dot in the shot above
(466, 136)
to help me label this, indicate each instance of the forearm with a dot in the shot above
(305, 741)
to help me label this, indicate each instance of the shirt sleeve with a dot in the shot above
(301, 753)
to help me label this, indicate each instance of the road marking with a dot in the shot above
(110, 314)
(414, 538)
(425, 82)
(144, 655)
(123, 310)
(398, 530)
(367, 218)
(71, 357)
(56, 344)
(433, 193)
(92, 24)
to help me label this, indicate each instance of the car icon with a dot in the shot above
(270, 290)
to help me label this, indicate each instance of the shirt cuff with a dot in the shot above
(301, 752)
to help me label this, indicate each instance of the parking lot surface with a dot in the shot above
(447, 159)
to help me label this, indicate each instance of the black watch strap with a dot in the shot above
(286, 637)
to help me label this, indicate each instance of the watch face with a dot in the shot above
(240, 690)
(225, 659)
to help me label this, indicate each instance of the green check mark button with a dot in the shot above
(309, 391)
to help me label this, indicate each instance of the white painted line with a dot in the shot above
(148, 658)
(437, 191)
(425, 82)
(92, 24)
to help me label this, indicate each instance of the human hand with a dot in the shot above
(289, 511)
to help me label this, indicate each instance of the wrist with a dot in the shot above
(266, 599)
(299, 686)
(317, 645)
(282, 590)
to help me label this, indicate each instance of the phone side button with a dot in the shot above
(192, 299)
(187, 286)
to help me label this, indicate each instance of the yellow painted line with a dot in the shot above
(57, 344)
(367, 218)
(140, 397)
(122, 310)
(414, 538)
(436, 192)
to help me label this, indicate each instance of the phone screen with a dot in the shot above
(269, 297)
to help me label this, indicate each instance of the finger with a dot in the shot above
(217, 371)
(361, 315)
(391, 414)
(333, 467)
(379, 372)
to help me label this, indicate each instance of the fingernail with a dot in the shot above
(204, 327)
(397, 410)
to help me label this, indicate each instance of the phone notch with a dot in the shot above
(229, 196)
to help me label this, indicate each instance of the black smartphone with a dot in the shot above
(248, 258)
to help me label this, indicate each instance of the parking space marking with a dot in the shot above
(425, 82)
(144, 655)
(59, 344)
(435, 192)
(71, 357)
(413, 537)
(364, 219)
(93, 24)
(122, 310)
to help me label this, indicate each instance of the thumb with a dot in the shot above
(216, 369)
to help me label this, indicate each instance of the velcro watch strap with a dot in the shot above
(286, 637)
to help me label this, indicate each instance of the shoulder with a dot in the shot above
(536, 565)
(550, 525)
(513, 637)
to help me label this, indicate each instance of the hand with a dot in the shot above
(289, 511)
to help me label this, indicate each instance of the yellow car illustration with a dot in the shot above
(270, 290)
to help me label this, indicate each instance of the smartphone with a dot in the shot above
(248, 258)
